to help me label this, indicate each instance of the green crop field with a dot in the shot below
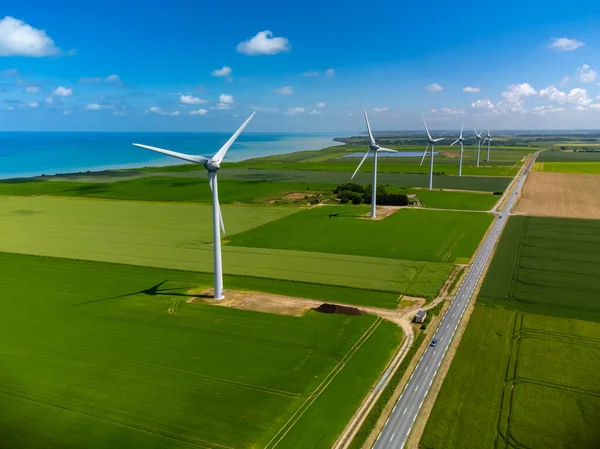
(161, 188)
(444, 199)
(88, 362)
(590, 168)
(546, 265)
(520, 380)
(172, 235)
(413, 234)
(526, 371)
(569, 156)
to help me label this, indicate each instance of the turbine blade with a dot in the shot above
(218, 157)
(426, 129)
(484, 140)
(369, 128)
(212, 180)
(461, 129)
(386, 150)
(424, 154)
(361, 162)
(437, 140)
(455, 142)
(185, 157)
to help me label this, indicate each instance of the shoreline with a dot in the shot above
(235, 155)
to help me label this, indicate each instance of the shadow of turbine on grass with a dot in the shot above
(152, 291)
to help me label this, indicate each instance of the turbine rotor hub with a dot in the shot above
(212, 166)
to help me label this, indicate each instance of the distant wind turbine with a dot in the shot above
(460, 140)
(488, 139)
(431, 141)
(212, 165)
(478, 144)
(376, 149)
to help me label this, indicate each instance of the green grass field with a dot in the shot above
(438, 199)
(435, 236)
(172, 235)
(526, 371)
(89, 362)
(590, 168)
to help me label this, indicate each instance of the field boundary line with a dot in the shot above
(314, 395)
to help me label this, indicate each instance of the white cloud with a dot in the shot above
(329, 72)
(225, 98)
(578, 96)
(264, 44)
(320, 105)
(471, 89)
(224, 71)
(586, 74)
(509, 106)
(516, 92)
(545, 110)
(94, 107)
(433, 111)
(553, 94)
(294, 111)
(159, 111)
(189, 99)
(223, 106)
(564, 44)
(67, 112)
(452, 111)
(286, 90)
(198, 112)
(19, 39)
(315, 112)
(112, 79)
(49, 100)
(33, 104)
(380, 109)
(435, 87)
(482, 104)
(579, 108)
(565, 80)
(61, 91)
(32, 89)
(311, 73)
(595, 106)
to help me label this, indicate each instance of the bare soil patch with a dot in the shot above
(560, 195)
(383, 212)
(295, 196)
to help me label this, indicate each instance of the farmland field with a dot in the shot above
(180, 236)
(455, 200)
(413, 234)
(526, 371)
(560, 195)
(590, 168)
(568, 156)
(89, 362)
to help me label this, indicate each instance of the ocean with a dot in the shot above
(24, 154)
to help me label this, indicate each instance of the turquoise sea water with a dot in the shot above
(33, 154)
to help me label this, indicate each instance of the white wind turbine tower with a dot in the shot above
(488, 139)
(431, 141)
(460, 140)
(478, 144)
(375, 148)
(212, 165)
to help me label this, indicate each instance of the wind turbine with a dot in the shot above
(212, 165)
(375, 148)
(488, 139)
(431, 141)
(460, 140)
(478, 144)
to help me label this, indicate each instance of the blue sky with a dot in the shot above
(305, 66)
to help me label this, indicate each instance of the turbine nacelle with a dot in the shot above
(212, 166)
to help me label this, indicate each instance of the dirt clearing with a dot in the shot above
(560, 195)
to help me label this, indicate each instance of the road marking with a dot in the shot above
(405, 411)
(434, 352)
(386, 422)
(393, 434)
(416, 388)
(426, 368)
(447, 326)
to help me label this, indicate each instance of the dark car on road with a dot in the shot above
(433, 343)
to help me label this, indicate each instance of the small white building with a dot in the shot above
(420, 316)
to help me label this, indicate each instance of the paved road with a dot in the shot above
(398, 426)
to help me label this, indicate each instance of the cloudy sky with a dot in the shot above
(306, 66)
